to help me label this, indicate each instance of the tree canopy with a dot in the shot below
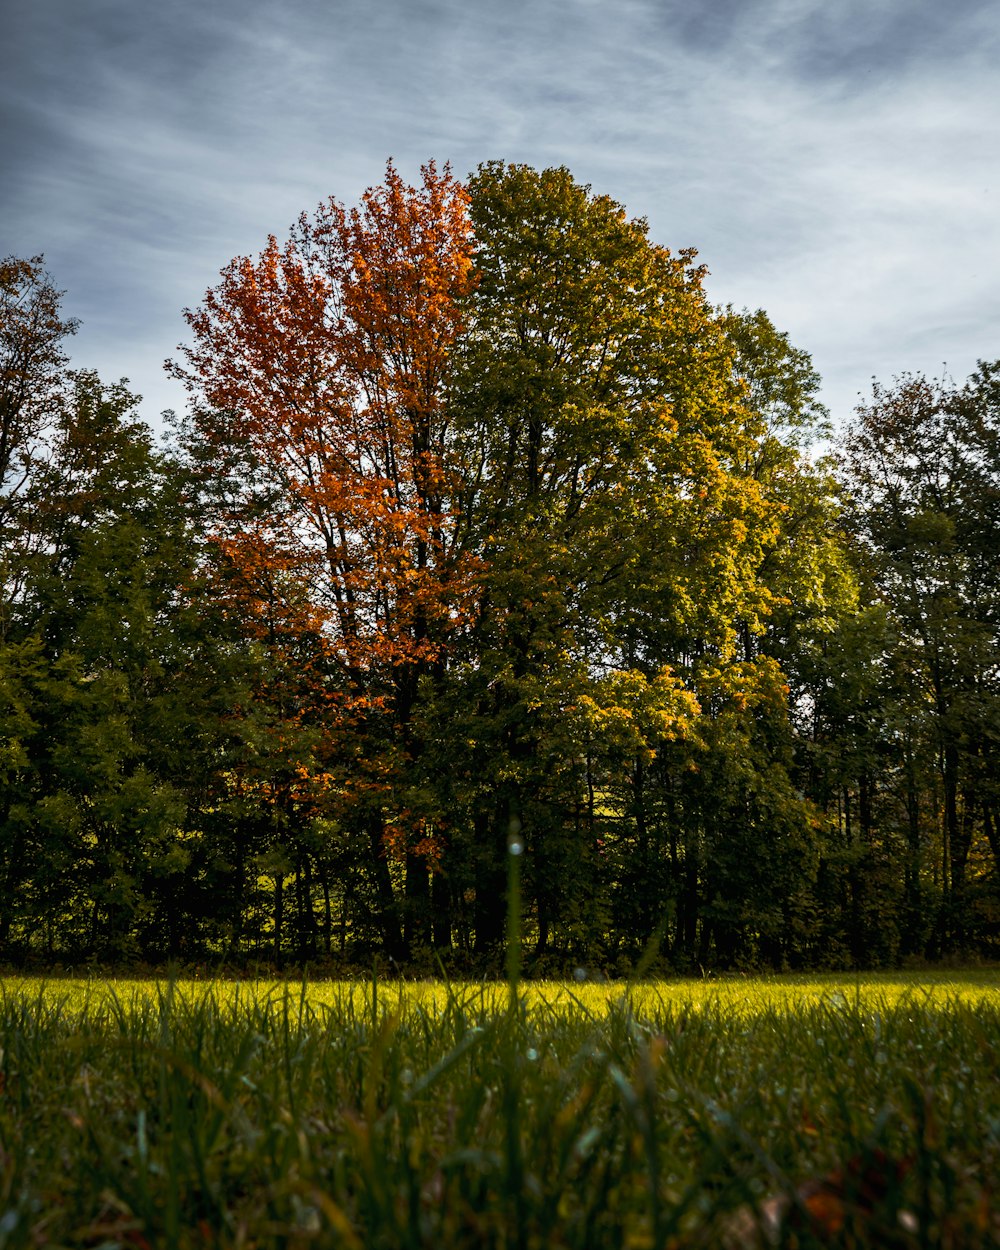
(486, 532)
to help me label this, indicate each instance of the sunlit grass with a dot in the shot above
(593, 998)
(570, 1116)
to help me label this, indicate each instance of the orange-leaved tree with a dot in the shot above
(326, 360)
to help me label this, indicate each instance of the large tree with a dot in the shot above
(328, 358)
(602, 429)
(720, 846)
(115, 685)
(506, 467)
(922, 464)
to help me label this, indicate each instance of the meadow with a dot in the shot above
(789, 1111)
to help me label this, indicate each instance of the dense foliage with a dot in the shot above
(486, 534)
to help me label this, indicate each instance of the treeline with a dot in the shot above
(487, 538)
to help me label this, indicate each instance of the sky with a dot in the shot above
(835, 163)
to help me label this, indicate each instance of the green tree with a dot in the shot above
(724, 846)
(32, 368)
(922, 463)
(117, 691)
(603, 435)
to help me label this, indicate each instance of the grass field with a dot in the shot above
(788, 1111)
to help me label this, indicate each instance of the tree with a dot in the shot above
(922, 463)
(504, 486)
(727, 836)
(32, 366)
(604, 436)
(782, 385)
(117, 680)
(329, 358)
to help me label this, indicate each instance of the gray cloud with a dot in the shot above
(835, 164)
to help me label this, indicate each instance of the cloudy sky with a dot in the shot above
(835, 163)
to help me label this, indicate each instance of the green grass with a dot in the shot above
(565, 1116)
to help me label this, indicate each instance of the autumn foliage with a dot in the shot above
(330, 357)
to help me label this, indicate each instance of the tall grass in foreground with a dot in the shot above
(476, 1117)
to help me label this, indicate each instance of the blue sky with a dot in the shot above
(834, 163)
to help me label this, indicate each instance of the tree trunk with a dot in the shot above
(324, 885)
(913, 909)
(441, 911)
(855, 935)
(417, 911)
(388, 909)
(992, 833)
(491, 878)
(959, 840)
(279, 915)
